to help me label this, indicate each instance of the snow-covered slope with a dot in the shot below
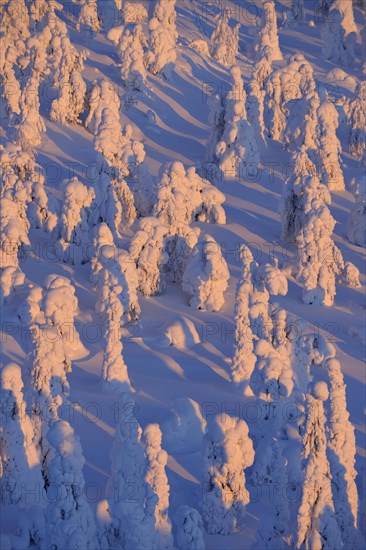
(176, 356)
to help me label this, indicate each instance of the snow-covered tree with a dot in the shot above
(100, 95)
(130, 527)
(14, 20)
(184, 197)
(244, 359)
(163, 36)
(14, 233)
(114, 201)
(356, 223)
(10, 89)
(339, 33)
(117, 301)
(157, 503)
(75, 236)
(70, 521)
(227, 451)
(356, 120)
(262, 68)
(267, 33)
(68, 80)
(341, 451)
(189, 529)
(302, 122)
(291, 82)
(206, 276)
(29, 129)
(319, 260)
(274, 527)
(148, 251)
(255, 110)
(329, 146)
(23, 183)
(89, 21)
(130, 42)
(316, 521)
(292, 199)
(224, 45)
(19, 458)
(232, 143)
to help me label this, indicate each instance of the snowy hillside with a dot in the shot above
(183, 232)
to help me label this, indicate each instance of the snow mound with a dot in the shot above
(183, 427)
(181, 334)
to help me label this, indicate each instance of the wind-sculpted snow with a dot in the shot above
(182, 254)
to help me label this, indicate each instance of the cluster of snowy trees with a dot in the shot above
(298, 385)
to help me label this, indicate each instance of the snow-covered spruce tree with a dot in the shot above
(339, 33)
(356, 120)
(70, 102)
(28, 131)
(267, 34)
(329, 146)
(275, 118)
(111, 286)
(148, 252)
(341, 451)
(262, 68)
(356, 223)
(224, 45)
(118, 262)
(319, 259)
(255, 110)
(138, 463)
(19, 458)
(302, 122)
(75, 238)
(206, 276)
(10, 90)
(316, 523)
(244, 359)
(292, 199)
(157, 502)
(161, 56)
(273, 528)
(130, 526)
(89, 21)
(189, 529)
(114, 201)
(14, 20)
(70, 521)
(227, 451)
(291, 82)
(184, 197)
(130, 42)
(101, 95)
(232, 144)
(14, 232)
